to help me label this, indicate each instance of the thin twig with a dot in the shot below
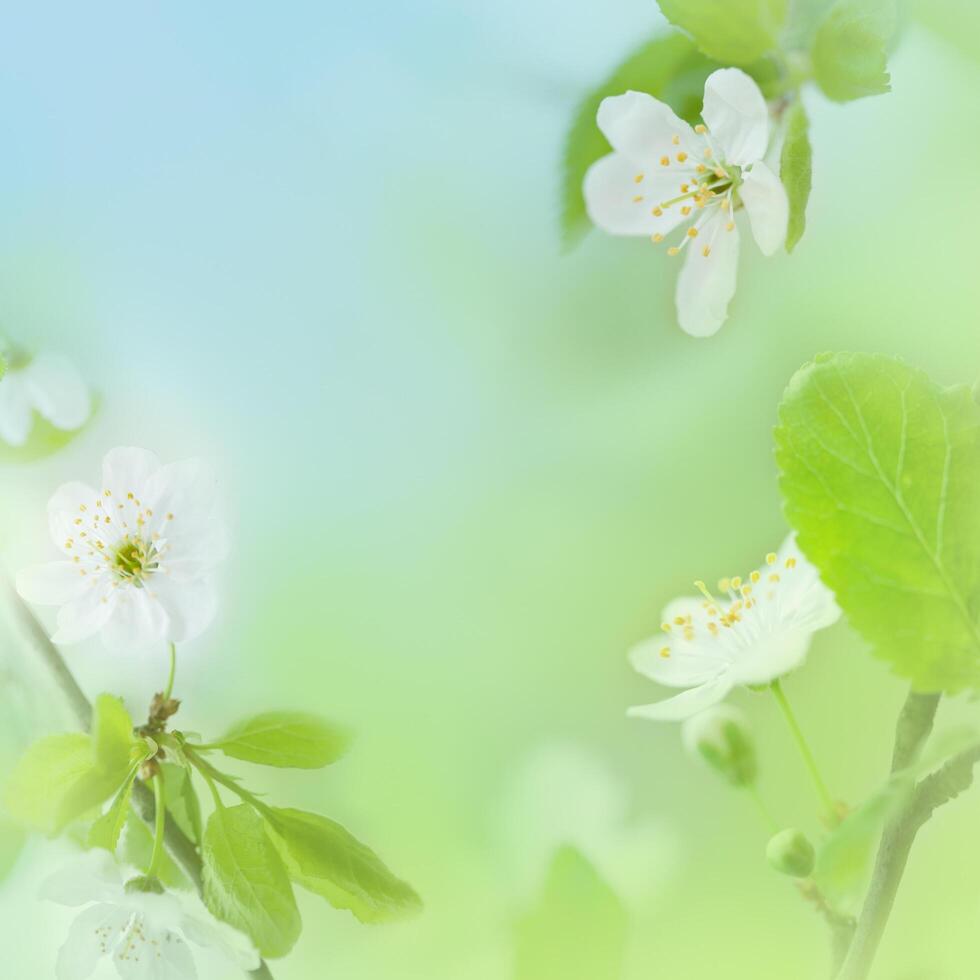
(182, 849)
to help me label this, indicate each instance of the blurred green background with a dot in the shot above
(320, 246)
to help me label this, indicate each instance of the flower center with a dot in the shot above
(134, 559)
(705, 184)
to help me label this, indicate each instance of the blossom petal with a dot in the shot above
(767, 205)
(706, 284)
(612, 193)
(93, 933)
(71, 502)
(137, 621)
(678, 668)
(57, 391)
(93, 878)
(687, 703)
(15, 410)
(127, 469)
(737, 117)
(78, 620)
(771, 656)
(52, 584)
(643, 128)
(156, 954)
(190, 607)
(235, 945)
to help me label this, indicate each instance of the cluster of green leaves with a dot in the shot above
(879, 474)
(841, 45)
(252, 853)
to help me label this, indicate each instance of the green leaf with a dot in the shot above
(879, 474)
(245, 881)
(850, 50)
(112, 734)
(669, 68)
(182, 801)
(577, 930)
(324, 858)
(795, 171)
(733, 32)
(106, 830)
(57, 781)
(288, 739)
(137, 848)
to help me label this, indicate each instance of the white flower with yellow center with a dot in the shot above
(47, 385)
(144, 933)
(758, 633)
(663, 174)
(139, 553)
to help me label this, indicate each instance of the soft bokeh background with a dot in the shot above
(318, 244)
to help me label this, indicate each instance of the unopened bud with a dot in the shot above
(722, 738)
(790, 853)
(149, 770)
(145, 885)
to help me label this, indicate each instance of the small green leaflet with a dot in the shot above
(795, 171)
(578, 929)
(182, 801)
(287, 739)
(112, 734)
(106, 830)
(879, 474)
(245, 881)
(670, 68)
(324, 858)
(732, 32)
(850, 50)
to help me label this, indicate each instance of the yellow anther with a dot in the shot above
(665, 161)
(656, 238)
(665, 627)
(774, 577)
(724, 584)
(720, 173)
(755, 576)
(701, 168)
(713, 629)
(736, 583)
(692, 233)
(686, 210)
(679, 620)
(791, 562)
(676, 140)
(700, 129)
(681, 157)
(688, 633)
(771, 558)
(638, 198)
(657, 212)
(108, 493)
(673, 250)
(638, 179)
(730, 226)
(708, 153)
(665, 651)
(706, 251)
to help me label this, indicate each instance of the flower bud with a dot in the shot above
(790, 853)
(144, 884)
(722, 738)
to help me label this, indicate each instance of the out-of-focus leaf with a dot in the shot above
(733, 32)
(577, 931)
(850, 49)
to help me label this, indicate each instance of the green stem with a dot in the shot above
(173, 671)
(801, 742)
(767, 817)
(160, 824)
(913, 728)
(212, 776)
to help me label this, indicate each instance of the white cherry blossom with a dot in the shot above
(47, 385)
(758, 633)
(664, 175)
(144, 934)
(139, 553)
